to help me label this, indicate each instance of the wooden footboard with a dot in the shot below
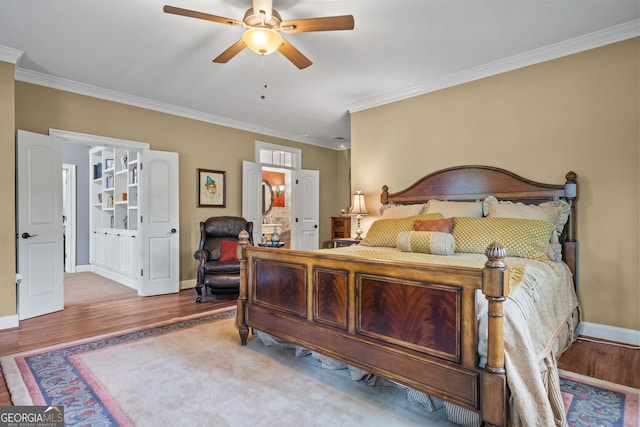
(413, 324)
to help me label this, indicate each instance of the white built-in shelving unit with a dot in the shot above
(114, 203)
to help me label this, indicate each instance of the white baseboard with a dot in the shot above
(7, 322)
(610, 333)
(118, 277)
(83, 268)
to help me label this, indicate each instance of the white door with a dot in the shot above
(159, 220)
(306, 204)
(252, 197)
(39, 230)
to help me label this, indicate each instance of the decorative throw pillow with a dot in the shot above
(228, 251)
(401, 211)
(556, 211)
(427, 242)
(444, 225)
(524, 238)
(384, 232)
(451, 209)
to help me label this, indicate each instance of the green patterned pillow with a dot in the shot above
(524, 238)
(427, 242)
(384, 232)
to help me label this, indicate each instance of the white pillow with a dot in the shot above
(402, 211)
(451, 209)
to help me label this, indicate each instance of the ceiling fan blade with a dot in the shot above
(200, 15)
(294, 55)
(232, 51)
(328, 23)
(263, 5)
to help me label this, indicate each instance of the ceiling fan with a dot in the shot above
(263, 25)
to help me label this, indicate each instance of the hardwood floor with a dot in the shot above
(613, 362)
(607, 361)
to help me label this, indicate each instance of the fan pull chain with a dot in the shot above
(264, 78)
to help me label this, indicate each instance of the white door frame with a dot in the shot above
(69, 206)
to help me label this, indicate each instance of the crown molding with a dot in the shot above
(10, 55)
(53, 82)
(579, 44)
(593, 40)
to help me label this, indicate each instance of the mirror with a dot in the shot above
(267, 197)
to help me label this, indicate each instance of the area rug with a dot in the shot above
(193, 371)
(593, 402)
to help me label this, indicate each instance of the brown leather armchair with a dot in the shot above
(219, 268)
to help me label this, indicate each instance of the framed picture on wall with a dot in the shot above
(212, 189)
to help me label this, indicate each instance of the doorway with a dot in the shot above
(276, 205)
(300, 195)
(43, 247)
(81, 286)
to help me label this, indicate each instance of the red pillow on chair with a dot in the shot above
(229, 251)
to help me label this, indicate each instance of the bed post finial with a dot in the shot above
(384, 196)
(496, 254)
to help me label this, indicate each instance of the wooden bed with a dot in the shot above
(326, 302)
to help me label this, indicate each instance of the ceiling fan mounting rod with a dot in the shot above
(251, 19)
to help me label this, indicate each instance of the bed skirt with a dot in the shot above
(456, 414)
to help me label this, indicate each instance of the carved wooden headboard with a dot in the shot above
(474, 183)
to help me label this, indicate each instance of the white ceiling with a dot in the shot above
(132, 52)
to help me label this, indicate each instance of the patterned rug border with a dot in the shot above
(125, 331)
(598, 382)
(23, 386)
(593, 409)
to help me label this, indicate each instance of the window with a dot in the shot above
(277, 155)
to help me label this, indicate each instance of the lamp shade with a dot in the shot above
(358, 207)
(262, 40)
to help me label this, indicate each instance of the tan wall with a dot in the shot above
(200, 145)
(7, 190)
(578, 113)
(343, 192)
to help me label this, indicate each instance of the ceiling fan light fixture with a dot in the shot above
(262, 40)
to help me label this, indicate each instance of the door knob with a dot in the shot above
(173, 231)
(27, 235)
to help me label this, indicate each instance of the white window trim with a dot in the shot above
(295, 152)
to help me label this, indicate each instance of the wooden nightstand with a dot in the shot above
(341, 243)
(340, 227)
